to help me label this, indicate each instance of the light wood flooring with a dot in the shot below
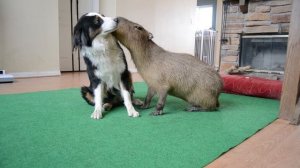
(276, 146)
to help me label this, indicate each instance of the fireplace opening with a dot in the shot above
(264, 53)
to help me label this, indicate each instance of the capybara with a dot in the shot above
(177, 74)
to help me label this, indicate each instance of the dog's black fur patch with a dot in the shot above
(81, 31)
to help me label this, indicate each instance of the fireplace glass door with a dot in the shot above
(264, 52)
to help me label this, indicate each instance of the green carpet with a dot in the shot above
(54, 129)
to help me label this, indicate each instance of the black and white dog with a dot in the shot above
(110, 80)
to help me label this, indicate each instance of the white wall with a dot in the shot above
(108, 7)
(29, 30)
(140, 11)
(174, 30)
(170, 21)
(29, 37)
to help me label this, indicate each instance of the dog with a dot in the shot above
(110, 81)
(177, 74)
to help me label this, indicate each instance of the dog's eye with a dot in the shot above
(138, 27)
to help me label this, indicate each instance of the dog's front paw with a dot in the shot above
(157, 113)
(133, 113)
(97, 114)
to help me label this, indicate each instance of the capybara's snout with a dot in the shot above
(129, 32)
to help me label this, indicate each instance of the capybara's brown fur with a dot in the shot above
(180, 75)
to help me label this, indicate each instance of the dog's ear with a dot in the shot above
(81, 37)
(77, 43)
(85, 38)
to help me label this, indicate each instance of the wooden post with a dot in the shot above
(219, 20)
(290, 103)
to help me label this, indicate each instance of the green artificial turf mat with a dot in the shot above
(54, 129)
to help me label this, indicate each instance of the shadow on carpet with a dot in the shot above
(54, 129)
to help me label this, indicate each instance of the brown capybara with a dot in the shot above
(180, 75)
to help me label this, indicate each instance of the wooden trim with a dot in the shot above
(290, 103)
(35, 74)
(219, 19)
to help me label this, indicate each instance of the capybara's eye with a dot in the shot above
(138, 27)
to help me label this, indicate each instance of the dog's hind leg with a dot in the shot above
(137, 102)
(107, 106)
(112, 99)
(88, 95)
(127, 101)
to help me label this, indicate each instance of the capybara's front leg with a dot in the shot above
(161, 103)
(150, 94)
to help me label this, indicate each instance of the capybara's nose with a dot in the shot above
(116, 20)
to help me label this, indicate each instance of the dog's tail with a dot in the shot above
(87, 95)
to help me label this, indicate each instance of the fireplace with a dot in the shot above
(264, 53)
(240, 43)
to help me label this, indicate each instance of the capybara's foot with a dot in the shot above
(193, 109)
(137, 102)
(197, 109)
(158, 112)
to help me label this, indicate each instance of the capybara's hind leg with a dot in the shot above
(204, 102)
(192, 108)
(150, 94)
(161, 103)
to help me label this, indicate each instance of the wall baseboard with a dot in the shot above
(35, 74)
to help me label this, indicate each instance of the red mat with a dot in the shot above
(252, 86)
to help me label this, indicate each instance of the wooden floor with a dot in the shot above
(277, 145)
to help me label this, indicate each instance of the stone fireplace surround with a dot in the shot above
(263, 17)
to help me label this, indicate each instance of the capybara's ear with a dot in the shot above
(150, 36)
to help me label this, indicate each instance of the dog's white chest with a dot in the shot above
(110, 70)
(109, 63)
